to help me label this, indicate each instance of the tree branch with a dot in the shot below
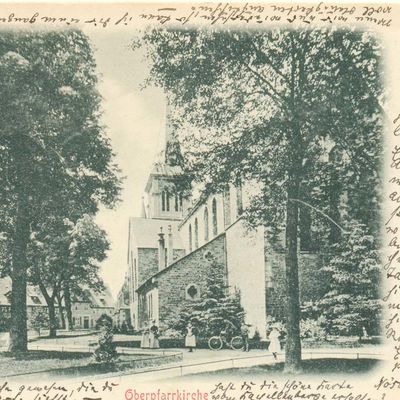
(268, 60)
(319, 212)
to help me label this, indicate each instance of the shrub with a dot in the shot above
(106, 351)
(104, 320)
(38, 319)
(5, 319)
(313, 328)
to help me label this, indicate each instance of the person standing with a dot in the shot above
(274, 342)
(244, 331)
(190, 339)
(145, 342)
(154, 335)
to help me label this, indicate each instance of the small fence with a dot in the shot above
(149, 367)
(153, 360)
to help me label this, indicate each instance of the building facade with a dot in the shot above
(86, 309)
(169, 245)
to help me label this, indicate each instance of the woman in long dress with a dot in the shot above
(154, 343)
(190, 339)
(274, 342)
(145, 342)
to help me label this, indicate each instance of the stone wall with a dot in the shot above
(312, 282)
(174, 282)
(147, 264)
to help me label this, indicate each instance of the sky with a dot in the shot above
(135, 120)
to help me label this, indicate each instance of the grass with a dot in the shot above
(56, 363)
(316, 367)
(33, 361)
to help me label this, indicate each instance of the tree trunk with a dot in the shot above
(305, 229)
(293, 344)
(51, 309)
(334, 208)
(61, 311)
(18, 328)
(295, 162)
(52, 318)
(68, 307)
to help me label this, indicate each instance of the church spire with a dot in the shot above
(173, 154)
(169, 130)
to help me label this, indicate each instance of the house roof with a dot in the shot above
(103, 299)
(33, 295)
(144, 232)
(176, 263)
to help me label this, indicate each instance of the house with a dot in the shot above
(86, 309)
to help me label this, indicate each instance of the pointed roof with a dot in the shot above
(34, 296)
(169, 160)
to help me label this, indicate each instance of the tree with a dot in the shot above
(263, 107)
(88, 248)
(54, 151)
(38, 319)
(64, 252)
(353, 302)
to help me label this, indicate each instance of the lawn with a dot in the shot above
(33, 361)
(316, 367)
(57, 363)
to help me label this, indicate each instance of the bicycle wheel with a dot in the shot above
(215, 343)
(237, 343)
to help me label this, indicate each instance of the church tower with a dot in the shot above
(164, 189)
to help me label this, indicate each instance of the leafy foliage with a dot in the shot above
(214, 312)
(354, 274)
(56, 161)
(5, 319)
(38, 319)
(106, 351)
(104, 320)
(62, 252)
(296, 114)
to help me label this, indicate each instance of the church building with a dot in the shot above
(171, 244)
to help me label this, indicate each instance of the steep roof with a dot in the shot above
(144, 232)
(103, 299)
(33, 295)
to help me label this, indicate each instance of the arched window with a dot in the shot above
(167, 200)
(206, 224)
(176, 202)
(163, 200)
(196, 233)
(214, 217)
(190, 238)
(239, 199)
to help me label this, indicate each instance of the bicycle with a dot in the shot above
(216, 342)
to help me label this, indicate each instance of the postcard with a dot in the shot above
(200, 201)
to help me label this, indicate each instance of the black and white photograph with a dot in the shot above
(203, 195)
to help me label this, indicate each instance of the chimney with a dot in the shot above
(161, 250)
(143, 213)
(170, 257)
